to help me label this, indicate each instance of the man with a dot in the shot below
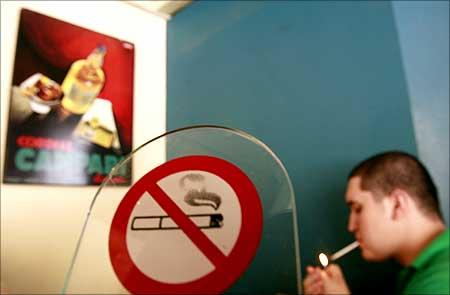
(394, 213)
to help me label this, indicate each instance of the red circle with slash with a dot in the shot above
(227, 268)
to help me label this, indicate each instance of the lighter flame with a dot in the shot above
(323, 259)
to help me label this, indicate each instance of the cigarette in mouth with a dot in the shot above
(324, 259)
(344, 251)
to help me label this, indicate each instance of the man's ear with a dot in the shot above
(400, 202)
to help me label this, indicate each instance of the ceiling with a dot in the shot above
(162, 8)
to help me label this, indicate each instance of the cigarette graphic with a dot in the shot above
(324, 258)
(164, 222)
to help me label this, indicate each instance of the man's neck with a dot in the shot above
(420, 234)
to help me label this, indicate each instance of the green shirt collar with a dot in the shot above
(440, 243)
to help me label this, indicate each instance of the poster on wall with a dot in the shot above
(71, 101)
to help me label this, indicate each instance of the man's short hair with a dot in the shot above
(384, 172)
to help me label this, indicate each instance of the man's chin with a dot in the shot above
(370, 256)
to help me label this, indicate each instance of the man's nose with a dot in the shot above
(351, 226)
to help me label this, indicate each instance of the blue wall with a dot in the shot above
(424, 38)
(321, 83)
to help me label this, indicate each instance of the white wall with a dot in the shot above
(41, 224)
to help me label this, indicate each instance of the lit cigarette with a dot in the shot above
(324, 259)
(344, 251)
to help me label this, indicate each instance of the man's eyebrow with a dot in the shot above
(350, 203)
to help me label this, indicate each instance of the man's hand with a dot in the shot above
(313, 283)
(334, 281)
(327, 281)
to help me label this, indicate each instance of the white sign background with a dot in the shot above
(169, 256)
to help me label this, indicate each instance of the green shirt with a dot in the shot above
(429, 273)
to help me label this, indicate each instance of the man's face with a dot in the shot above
(370, 221)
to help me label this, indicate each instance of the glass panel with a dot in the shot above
(210, 210)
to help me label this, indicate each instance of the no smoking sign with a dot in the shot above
(189, 226)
